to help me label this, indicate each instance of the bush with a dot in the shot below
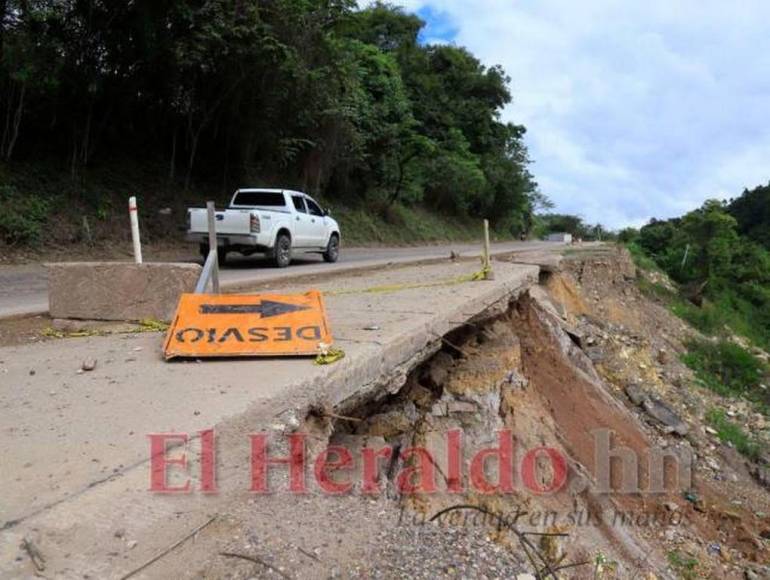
(725, 367)
(21, 216)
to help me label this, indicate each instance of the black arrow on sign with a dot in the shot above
(267, 308)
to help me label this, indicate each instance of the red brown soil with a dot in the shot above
(578, 408)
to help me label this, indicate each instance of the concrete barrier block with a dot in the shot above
(117, 290)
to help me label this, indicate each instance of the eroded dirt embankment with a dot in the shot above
(583, 365)
(587, 367)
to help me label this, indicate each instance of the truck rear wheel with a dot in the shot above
(282, 251)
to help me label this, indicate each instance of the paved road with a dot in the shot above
(23, 289)
(74, 445)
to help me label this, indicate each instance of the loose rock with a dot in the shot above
(657, 409)
(88, 364)
(636, 394)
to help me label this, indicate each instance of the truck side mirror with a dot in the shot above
(327, 211)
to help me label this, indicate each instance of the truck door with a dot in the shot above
(317, 223)
(302, 225)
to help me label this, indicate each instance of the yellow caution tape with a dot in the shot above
(475, 277)
(53, 333)
(146, 325)
(152, 325)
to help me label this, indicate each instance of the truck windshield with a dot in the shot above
(260, 198)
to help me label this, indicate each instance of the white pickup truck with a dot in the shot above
(276, 222)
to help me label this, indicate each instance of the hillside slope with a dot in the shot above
(46, 215)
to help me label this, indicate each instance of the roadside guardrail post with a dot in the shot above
(132, 212)
(488, 274)
(211, 266)
(211, 209)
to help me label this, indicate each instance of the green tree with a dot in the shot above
(752, 212)
(316, 94)
(710, 233)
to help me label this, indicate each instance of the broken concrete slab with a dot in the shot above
(118, 291)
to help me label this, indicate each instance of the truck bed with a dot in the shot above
(229, 221)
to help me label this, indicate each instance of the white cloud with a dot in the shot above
(633, 110)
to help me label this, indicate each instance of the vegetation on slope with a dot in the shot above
(203, 97)
(724, 274)
(730, 432)
(718, 254)
(93, 211)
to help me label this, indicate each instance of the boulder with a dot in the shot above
(636, 393)
(658, 410)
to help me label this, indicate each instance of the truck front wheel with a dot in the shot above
(282, 251)
(332, 252)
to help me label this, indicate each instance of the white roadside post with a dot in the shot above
(135, 229)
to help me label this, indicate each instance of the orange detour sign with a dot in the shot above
(211, 325)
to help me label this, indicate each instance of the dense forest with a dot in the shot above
(720, 255)
(344, 103)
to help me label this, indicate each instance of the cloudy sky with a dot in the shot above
(635, 108)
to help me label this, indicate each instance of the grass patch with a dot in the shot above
(404, 225)
(748, 319)
(685, 566)
(728, 313)
(726, 368)
(708, 319)
(657, 291)
(732, 433)
(641, 259)
(379, 222)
